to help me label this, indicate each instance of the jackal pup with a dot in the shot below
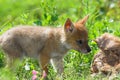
(45, 43)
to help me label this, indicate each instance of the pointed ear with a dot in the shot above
(68, 26)
(84, 20)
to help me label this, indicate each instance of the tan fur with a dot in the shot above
(107, 60)
(44, 43)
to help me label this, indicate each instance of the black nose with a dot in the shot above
(88, 50)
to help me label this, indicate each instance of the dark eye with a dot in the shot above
(79, 42)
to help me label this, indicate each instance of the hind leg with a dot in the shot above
(12, 49)
(11, 60)
(12, 54)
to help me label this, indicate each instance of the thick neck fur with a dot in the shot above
(57, 41)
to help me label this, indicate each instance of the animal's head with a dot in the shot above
(108, 43)
(76, 35)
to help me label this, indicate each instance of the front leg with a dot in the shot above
(44, 60)
(57, 64)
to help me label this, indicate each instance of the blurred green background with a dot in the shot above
(104, 17)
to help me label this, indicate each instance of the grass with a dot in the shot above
(104, 17)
